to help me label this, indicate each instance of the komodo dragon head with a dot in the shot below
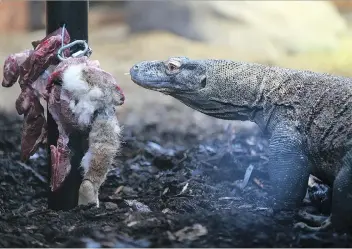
(208, 86)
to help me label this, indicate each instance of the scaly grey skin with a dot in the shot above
(306, 115)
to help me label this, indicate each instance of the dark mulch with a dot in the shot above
(166, 190)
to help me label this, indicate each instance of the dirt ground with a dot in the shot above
(166, 189)
(177, 181)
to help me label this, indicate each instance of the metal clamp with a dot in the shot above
(86, 51)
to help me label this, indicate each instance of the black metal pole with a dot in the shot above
(74, 14)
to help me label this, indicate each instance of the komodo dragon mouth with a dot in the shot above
(159, 86)
(152, 85)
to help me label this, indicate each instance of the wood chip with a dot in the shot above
(35, 173)
(132, 223)
(229, 198)
(191, 233)
(258, 182)
(165, 191)
(118, 190)
(184, 189)
(242, 184)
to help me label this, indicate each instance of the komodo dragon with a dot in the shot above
(306, 115)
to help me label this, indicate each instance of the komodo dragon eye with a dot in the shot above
(173, 65)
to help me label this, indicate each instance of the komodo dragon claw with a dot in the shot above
(321, 223)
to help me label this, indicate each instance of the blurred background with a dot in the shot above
(314, 35)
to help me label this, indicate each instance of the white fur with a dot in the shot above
(73, 81)
(72, 104)
(86, 161)
(88, 104)
(116, 126)
(95, 93)
(90, 99)
(84, 111)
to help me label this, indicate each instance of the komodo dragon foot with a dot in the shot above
(320, 223)
(341, 210)
(320, 196)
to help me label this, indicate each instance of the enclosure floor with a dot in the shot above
(166, 189)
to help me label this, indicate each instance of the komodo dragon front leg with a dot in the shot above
(288, 167)
(289, 172)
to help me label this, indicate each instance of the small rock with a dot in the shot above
(170, 235)
(155, 148)
(138, 206)
(111, 205)
(261, 236)
(166, 210)
(90, 243)
(132, 223)
(128, 191)
(191, 233)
